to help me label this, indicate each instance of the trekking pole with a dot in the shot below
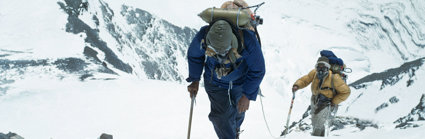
(190, 117)
(289, 117)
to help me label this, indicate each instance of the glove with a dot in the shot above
(193, 88)
(294, 88)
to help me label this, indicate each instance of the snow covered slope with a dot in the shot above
(381, 41)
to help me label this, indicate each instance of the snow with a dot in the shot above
(125, 108)
(40, 33)
(372, 97)
(131, 108)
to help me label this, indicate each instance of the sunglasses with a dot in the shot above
(321, 68)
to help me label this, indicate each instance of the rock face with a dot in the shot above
(10, 135)
(139, 43)
(127, 41)
(105, 136)
(75, 25)
(392, 100)
(417, 114)
(392, 76)
(338, 123)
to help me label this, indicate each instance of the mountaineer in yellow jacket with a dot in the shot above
(328, 90)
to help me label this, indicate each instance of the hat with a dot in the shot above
(323, 61)
(220, 37)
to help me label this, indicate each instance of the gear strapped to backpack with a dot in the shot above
(337, 64)
(224, 42)
(224, 38)
(337, 67)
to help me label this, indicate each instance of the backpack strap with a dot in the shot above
(204, 39)
(333, 86)
(241, 47)
(242, 42)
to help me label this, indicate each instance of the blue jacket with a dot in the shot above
(249, 74)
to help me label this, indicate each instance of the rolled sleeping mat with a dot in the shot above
(240, 17)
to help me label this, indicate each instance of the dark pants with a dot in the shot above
(224, 113)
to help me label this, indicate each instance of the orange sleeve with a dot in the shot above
(343, 90)
(305, 80)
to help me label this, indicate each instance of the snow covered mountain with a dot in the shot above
(108, 51)
(145, 47)
(137, 42)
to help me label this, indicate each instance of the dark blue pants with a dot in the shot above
(224, 114)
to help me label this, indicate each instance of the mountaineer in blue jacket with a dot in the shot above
(234, 69)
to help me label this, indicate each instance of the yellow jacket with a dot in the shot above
(340, 86)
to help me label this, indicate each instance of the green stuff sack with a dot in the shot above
(239, 17)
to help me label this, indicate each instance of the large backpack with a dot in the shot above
(239, 36)
(337, 64)
(238, 19)
(233, 54)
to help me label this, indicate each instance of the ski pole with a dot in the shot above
(289, 117)
(190, 117)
